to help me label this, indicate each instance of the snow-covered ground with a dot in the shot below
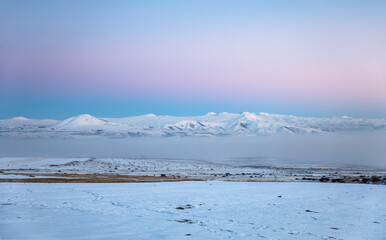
(192, 210)
(182, 169)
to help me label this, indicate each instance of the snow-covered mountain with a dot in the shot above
(210, 124)
(25, 124)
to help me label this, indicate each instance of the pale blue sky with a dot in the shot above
(122, 58)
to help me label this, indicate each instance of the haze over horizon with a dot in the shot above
(59, 59)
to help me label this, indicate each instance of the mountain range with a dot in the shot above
(211, 124)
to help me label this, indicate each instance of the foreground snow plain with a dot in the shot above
(192, 210)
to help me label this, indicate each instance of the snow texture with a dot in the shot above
(192, 210)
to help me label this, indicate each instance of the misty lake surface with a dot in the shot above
(359, 149)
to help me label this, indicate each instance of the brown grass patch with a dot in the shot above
(92, 178)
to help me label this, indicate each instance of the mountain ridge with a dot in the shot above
(210, 124)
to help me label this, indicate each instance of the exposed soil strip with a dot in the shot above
(92, 178)
(35, 177)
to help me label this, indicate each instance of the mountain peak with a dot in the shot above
(84, 116)
(20, 118)
(81, 121)
(246, 114)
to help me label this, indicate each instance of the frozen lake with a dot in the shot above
(360, 149)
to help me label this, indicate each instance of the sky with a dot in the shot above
(123, 58)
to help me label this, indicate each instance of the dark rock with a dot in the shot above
(187, 206)
(375, 179)
(324, 179)
(185, 221)
(364, 180)
(310, 211)
(340, 180)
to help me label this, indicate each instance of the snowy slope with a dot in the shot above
(88, 124)
(210, 124)
(24, 124)
(250, 123)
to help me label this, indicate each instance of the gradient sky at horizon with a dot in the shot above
(123, 58)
